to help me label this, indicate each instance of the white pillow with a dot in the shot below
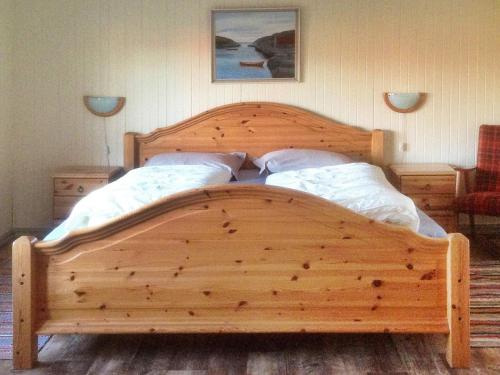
(294, 159)
(232, 161)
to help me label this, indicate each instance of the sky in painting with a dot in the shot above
(248, 26)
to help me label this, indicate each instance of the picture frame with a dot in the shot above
(255, 45)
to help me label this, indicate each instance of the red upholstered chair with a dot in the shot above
(482, 184)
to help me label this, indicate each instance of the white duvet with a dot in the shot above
(360, 187)
(136, 189)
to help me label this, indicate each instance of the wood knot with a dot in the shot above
(429, 275)
(377, 283)
(191, 313)
(268, 248)
(346, 237)
(306, 266)
(79, 293)
(226, 224)
(241, 304)
(132, 273)
(275, 293)
(409, 266)
(102, 307)
(72, 278)
(231, 231)
(294, 278)
(207, 292)
(411, 250)
(238, 261)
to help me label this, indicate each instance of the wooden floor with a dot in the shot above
(257, 354)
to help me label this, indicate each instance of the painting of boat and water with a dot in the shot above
(255, 44)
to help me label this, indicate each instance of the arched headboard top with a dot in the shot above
(255, 128)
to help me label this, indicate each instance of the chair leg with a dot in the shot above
(472, 226)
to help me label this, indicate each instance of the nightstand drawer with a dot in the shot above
(433, 202)
(428, 184)
(63, 206)
(77, 186)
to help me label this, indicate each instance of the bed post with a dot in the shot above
(458, 347)
(130, 151)
(377, 147)
(25, 347)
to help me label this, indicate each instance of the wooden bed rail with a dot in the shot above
(241, 258)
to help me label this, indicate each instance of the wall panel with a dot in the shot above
(157, 53)
(6, 115)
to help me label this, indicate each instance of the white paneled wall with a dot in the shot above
(6, 159)
(156, 53)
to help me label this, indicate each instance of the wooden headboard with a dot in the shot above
(255, 128)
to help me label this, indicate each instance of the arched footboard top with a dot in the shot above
(255, 128)
(274, 200)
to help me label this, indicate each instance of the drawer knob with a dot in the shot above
(80, 189)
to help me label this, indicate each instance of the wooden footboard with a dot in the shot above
(242, 259)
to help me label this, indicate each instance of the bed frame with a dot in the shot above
(243, 258)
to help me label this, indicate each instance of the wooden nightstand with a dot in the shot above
(73, 183)
(432, 187)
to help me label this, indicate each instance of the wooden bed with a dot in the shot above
(243, 258)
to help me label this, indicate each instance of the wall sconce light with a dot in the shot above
(104, 106)
(404, 102)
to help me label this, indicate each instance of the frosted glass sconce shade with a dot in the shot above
(404, 102)
(104, 106)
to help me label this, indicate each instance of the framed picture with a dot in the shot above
(255, 44)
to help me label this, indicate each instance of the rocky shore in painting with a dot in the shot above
(279, 48)
(223, 42)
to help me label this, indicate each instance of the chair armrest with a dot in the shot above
(466, 180)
